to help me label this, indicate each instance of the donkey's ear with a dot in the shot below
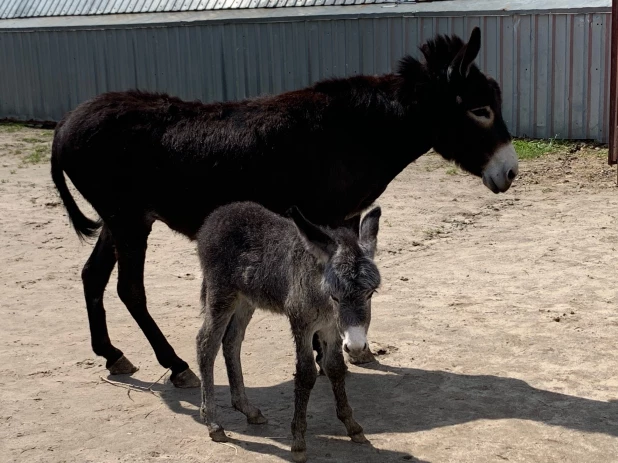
(316, 241)
(472, 50)
(369, 230)
(466, 56)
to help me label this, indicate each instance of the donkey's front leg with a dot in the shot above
(209, 339)
(335, 370)
(306, 375)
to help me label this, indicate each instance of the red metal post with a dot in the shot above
(613, 92)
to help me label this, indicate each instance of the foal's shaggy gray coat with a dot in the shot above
(321, 279)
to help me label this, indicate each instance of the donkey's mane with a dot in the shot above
(357, 91)
(438, 54)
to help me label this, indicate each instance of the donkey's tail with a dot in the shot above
(84, 227)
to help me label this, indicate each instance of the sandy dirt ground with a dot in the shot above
(496, 328)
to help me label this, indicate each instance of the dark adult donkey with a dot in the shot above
(331, 149)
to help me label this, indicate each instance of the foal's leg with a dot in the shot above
(304, 381)
(217, 316)
(131, 245)
(335, 370)
(232, 342)
(95, 276)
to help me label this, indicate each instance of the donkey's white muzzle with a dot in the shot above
(502, 169)
(355, 340)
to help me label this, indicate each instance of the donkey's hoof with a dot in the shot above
(257, 419)
(365, 357)
(122, 366)
(217, 433)
(359, 438)
(186, 379)
(299, 456)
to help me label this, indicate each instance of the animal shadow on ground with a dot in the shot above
(393, 400)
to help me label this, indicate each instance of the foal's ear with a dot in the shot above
(369, 230)
(466, 56)
(316, 241)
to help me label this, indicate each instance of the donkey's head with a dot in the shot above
(350, 277)
(463, 106)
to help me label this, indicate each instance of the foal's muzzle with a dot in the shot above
(355, 340)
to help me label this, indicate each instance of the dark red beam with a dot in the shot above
(613, 92)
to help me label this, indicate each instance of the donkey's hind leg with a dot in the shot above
(217, 314)
(95, 276)
(131, 243)
(232, 342)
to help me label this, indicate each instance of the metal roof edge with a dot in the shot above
(288, 14)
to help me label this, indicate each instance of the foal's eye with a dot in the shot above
(334, 299)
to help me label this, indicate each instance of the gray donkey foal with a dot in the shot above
(321, 279)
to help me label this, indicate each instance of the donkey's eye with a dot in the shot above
(482, 116)
(481, 112)
(334, 299)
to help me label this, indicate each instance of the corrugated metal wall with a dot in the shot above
(553, 69)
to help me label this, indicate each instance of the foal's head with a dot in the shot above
(464, 108)
(350, 277)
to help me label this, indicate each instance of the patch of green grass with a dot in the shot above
(452, 171)
(12, 171)
(601, 152)
(38, 155)
(10, 127)
(531, 149)
(48, 134)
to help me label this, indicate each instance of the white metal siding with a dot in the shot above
(553, 68)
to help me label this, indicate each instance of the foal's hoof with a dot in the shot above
(217, 433)
(365, 357)
(299, 456)
(122, 366)
(257, 419)
(186, 379)
(359, 438)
